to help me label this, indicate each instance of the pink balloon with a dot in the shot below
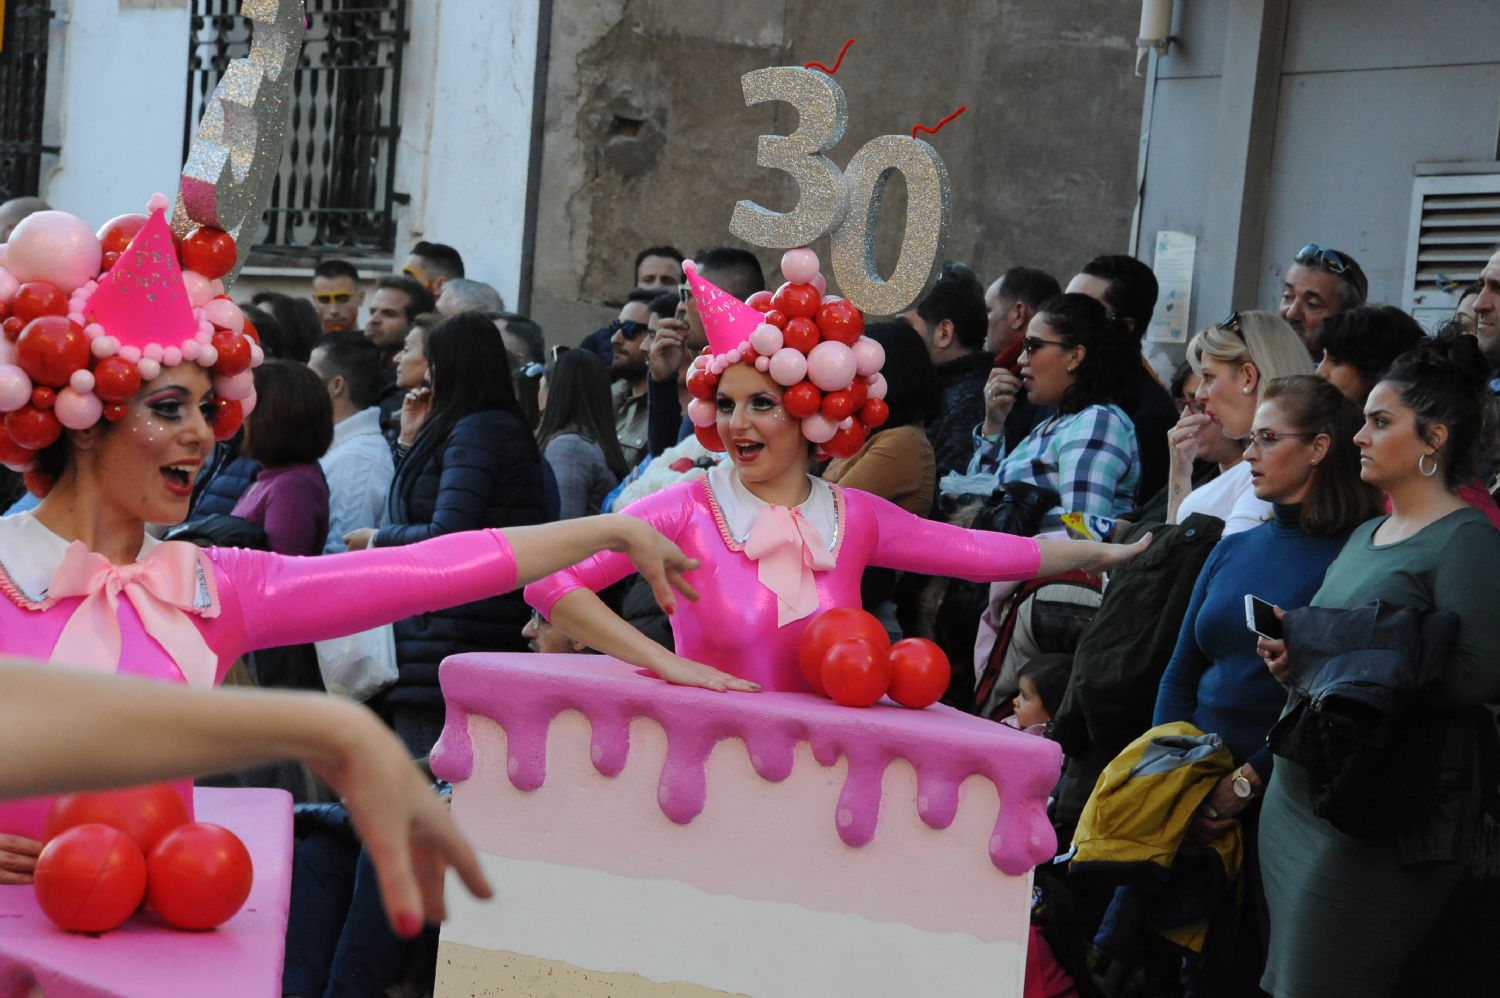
(15, 388)
(799, 266)
(762, 364)
(766, 339)
(77, 410)
(200, 290)
(225, 313)
(869, 356)
(247, 404)
(236, 388)
(821, 283)
(149, 367)
(8, 284)
(788, 366)
(819, 428)
(7, 351)
(702, 412)
(172, 356)
(830, 366)
(82, 380)
(53, 246)
(877, 387)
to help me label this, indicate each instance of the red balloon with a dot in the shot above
(709, 437)
(200, 875)
(856, 672)
(801, 334)
(35, 299)
(38, 483)
(115, 234)
(107, 261)
(838, 405)
(702, 385)
(33, 428)
(209, 251)
(797, 301)
(114, 411)
(12, 454)
(234, 353)
(874, 413)
(51, 348)
(846, 443)
(802, 399)
(919, 672)
(859, 390)
(4, 310)
(840, 320)
(250, 331)
(90, 878)
(777, 318)
(145, 813)
(760, 301)
(116, 379)
(43, 397)
(828, 628)
(229, 416)
(12, 327)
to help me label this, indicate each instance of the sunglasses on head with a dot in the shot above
(628, 327)
(1330, 260)
(1231, 324)
(333, 297)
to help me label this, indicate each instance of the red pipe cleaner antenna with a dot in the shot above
(836, 62)
(939, 126)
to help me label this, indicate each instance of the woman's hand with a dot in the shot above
(17, 858)
(1273, 652)
(681, 671)
(660, 562)
(1182, 441)
(1222, 807)
(358, 540)
(999, 398)
(414, 408)
(668, 349)
(1093, 557)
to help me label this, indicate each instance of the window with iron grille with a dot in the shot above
(23, 92)
(334, 190)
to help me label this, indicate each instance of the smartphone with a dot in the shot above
(1260, 617)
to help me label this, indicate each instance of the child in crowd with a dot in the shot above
(1043, 681)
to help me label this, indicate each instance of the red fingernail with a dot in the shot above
(408, 926)
(671, 608)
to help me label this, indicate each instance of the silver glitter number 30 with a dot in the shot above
(826, 195)
(236, 151)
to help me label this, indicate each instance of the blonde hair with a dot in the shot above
(1263, 340)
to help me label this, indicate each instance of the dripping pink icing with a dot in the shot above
(523, 693)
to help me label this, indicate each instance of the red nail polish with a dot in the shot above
(408, 925)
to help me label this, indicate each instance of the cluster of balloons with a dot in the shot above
(61, 371)
(107, 852)
(813, 345)
(846, 655)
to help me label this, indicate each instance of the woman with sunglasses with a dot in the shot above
(1235, 360)
(1081, 361)
(1302, 462)
(1347, 912)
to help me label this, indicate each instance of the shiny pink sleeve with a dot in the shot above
(914, 544)
(269, 600)
(667, 511)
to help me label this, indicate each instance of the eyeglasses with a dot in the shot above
(1266, 439)
(629, 327)
(1035, 343)
(1330, 260)
(333, 297)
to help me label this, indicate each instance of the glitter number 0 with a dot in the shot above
(821, 199)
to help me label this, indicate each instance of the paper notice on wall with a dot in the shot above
(1174, 277)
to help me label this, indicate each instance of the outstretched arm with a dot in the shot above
(70, 729)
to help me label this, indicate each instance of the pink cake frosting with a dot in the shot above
(523, 693)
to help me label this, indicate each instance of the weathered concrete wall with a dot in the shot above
(647, 138)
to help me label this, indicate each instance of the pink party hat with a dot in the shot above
(142, 301)
(727, 320)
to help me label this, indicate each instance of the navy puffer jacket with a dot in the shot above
(486, 473)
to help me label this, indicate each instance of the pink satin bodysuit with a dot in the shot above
(733, 625)
(265, 600)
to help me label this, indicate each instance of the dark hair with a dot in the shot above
(664, 305)
(519, 325)
(293, 418)
(1132, 289)
(444, 259)
(1369, 338)
(1180, 375)
(355, 358)
(1354, 286)
(1109, 372)
(1472, 288)
(297, 318)
(1029, 285)
(337, 268)
(646, 295)
(418, 298)
(1338, 500)
(669, 251)
(578, 401)
(735, 270)
(912, 388)
(274, 340)
(1049, 674)
(470, 371)
(958, 297)
(1445, 381)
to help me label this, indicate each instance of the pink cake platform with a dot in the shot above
(145, 959)
(650, 839)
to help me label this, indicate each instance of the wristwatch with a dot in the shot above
(1241, 785)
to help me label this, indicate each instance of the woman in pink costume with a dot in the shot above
(776, 544)
(85, 584)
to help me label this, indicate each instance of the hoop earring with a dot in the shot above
(1423, 468)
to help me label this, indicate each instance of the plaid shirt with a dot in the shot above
(1089, 458)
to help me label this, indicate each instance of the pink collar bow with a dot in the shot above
(163, 588)
(787, 550)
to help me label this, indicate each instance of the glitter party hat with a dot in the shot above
(142, 299)
(727, 321)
